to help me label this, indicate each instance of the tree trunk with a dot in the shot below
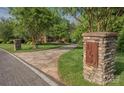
(98, 26)
(43, 38)
(90, 19)
(34, 46)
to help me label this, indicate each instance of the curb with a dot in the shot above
(41, 75)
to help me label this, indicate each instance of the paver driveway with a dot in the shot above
(46, 60)
(14, 72)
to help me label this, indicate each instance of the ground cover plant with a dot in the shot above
(71, 68)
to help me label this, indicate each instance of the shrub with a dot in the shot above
(29, 43)
(121, 41)
(1, 40)
(9, 42)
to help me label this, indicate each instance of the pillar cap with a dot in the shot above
(100, 34)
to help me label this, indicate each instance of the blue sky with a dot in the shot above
(4, 12)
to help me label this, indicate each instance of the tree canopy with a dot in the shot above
(92, 19)
(32, 24)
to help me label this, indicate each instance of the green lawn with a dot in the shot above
(28, 48)
(71, 67)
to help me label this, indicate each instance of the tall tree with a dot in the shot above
(33, 20)
(6, 30)
(60, 30)
(96, 19)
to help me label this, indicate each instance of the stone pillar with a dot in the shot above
(99, 54)
(17, 44)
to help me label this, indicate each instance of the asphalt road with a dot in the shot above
(15, 73)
